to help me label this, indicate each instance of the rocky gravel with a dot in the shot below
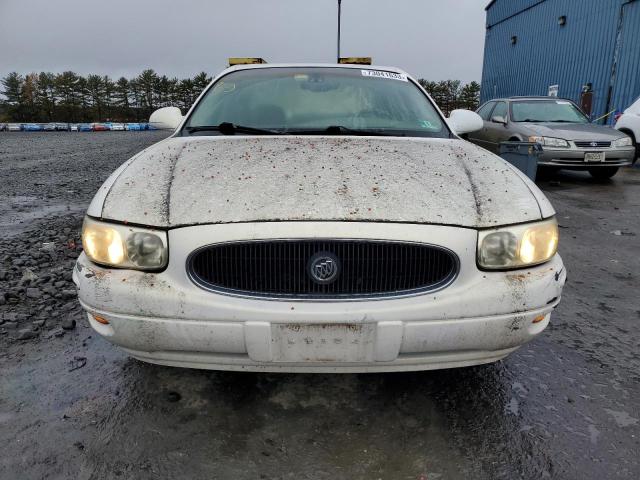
(72, 406)
(38, 295)
(48, 179)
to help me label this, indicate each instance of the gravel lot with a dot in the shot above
(72, 406)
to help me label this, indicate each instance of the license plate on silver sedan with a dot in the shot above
(594, 157)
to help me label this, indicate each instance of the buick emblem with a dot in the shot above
(323, 268)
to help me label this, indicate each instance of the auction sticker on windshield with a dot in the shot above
(381, 74)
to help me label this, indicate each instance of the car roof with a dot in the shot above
(314, 65)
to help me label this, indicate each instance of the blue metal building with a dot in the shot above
(535, 47)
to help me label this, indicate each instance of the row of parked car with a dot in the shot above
(74, 127)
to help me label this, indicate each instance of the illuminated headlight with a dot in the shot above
(518, 246)
(550, 142)
(622, 142)
(124, 246)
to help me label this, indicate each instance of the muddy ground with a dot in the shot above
(565, 406)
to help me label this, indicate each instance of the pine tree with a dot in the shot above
(200, 82)
(185, 92)
(28, 96)
(121, 98)
(108, 89)
(147, 83)
(12, 90)
(67, 90)
(451, 94)
(470, 96)
(46, 97)
(95, 94)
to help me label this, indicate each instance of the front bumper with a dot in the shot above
(574, 157)
(164, 318)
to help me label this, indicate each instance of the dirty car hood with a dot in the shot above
(198, 180)
(575, 131)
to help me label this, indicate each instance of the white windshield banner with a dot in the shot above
(381, 74)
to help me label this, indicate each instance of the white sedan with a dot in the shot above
(318, 218)
(629, 123)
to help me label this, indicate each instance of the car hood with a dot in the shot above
(574, 131)
(198, 180)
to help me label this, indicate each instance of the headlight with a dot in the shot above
(518, 246)
(550, 142)
(622, 142)
(124, 246)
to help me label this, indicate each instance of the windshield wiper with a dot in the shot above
(342, 130)
(227, 128)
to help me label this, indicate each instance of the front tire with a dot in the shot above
(603, 173)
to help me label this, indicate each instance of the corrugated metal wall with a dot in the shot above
(501, 9)
(570, 56)
(627, 77)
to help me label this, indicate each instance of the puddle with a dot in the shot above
(17, 213)
(622, 419)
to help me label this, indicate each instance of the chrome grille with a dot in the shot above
(593, 144)
(281, 268)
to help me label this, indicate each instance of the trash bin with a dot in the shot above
(523, 156)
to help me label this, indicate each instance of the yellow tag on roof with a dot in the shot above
(355, 60)
(244, 61)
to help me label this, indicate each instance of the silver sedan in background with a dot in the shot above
(567, 137)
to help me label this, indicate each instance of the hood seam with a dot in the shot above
(171, 179)
(462, 160)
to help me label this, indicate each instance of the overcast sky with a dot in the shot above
(433, 39)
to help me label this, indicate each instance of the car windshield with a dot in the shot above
(561, 111)
(310, 100)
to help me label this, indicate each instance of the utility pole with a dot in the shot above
(339, 15)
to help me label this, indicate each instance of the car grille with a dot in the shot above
(358, 268)
(593, 144)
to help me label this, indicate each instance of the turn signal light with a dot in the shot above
(100, 319)
(539, 318)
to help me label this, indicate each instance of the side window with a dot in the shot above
(500, 110)
(485, 110)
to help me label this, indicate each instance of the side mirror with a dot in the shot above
(167, 118)
(499, 119)
(465, 121)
